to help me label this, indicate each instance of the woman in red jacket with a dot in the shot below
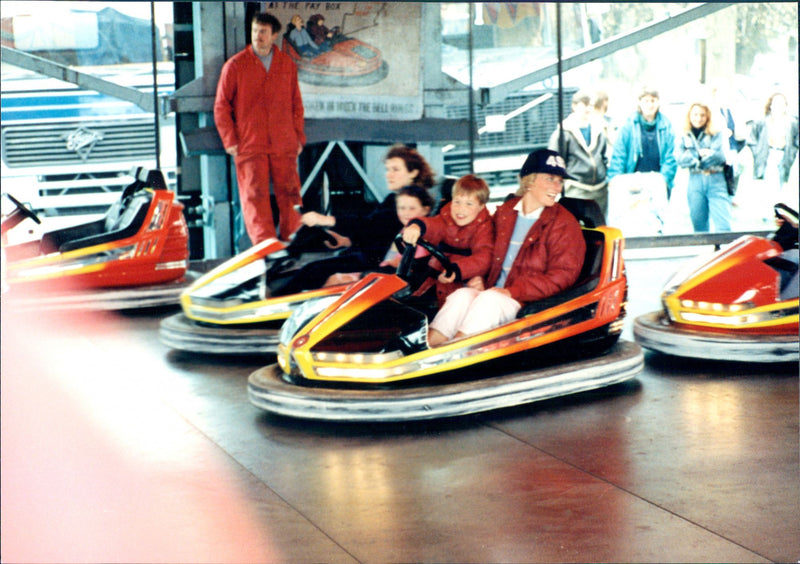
(538, 252)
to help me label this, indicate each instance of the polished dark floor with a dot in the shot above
(116, 449)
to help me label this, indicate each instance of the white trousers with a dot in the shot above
(470, 311)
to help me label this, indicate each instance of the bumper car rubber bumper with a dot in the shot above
(269, 391)
(106, 299)
(179, 332)
(654, 331)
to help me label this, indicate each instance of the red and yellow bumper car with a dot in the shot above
(136, 255)
(363, 355)
(231, 310)
(739, 304)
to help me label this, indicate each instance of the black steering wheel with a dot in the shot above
(404, 268)
(786, 235)
(17, 216)
(23, 210)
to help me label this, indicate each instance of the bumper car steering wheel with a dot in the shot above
(18, 215)
(404, 269)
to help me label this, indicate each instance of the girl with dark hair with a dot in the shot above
(413, 202)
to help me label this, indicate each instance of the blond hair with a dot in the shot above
(709, 128)
(524, 182)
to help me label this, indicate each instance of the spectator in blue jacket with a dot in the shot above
(646, 142)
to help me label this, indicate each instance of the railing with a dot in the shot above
(689, 239)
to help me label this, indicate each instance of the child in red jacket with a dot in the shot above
(463, 230)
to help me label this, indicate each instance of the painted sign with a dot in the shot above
(355, 60)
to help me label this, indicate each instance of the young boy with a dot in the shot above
(463, 230)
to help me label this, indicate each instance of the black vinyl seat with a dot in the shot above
(123, 218)
(117, 227)
(588, 279)
(587, 212)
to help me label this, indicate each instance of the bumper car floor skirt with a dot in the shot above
(180, 332)
(655, 332)
(269, 391)
(107, 299)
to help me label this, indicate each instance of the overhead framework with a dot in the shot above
(603, 49)
(439, 90)
(219, 30)
(84, 80)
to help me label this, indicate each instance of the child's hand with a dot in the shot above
(444, 279)
(394, 262)
(476, 282)
(411, 234)
(342, 278)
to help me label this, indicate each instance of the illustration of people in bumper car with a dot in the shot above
(327, 56)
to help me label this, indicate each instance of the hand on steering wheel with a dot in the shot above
(404, 269)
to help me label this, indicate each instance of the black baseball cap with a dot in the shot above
(544, 161)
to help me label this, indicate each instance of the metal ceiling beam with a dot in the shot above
(24, 60)
(198, 97)
(602, 49)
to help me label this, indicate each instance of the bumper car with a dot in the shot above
(362, 355)
(135, 256)
(739, 304)
(230, 309)
(349, 62)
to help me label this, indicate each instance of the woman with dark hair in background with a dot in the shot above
(773, 141)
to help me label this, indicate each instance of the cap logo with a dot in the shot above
(556, 161)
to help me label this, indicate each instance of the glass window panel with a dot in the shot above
(736, 56)
(67, 148)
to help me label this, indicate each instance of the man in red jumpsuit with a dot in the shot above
(259, 115)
